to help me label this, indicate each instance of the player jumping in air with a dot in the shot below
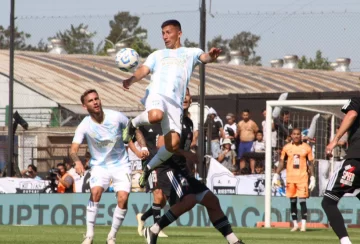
(171, 69)
(109, 160)
(299, 157)
(346, 179)
(183, 191)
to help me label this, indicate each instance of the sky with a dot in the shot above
(285, 26)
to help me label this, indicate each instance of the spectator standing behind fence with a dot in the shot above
(78, 180)
(230, 130)
(65, 180)
(216, 132)
(273, 131)
(247, 129)
(30, 172)
(284, 127)
(227, 156)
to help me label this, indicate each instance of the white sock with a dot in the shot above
(303, 222)
(161, 156)
(91, 212)
(155, 228)
(345, 240)
(141, 119)
(295, 223)
(118, 218)
(231, 238)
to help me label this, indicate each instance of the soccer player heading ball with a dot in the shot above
(171, 70)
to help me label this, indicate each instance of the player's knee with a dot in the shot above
(122, 199)
(155, 116)
(96, 193)
(159, 197)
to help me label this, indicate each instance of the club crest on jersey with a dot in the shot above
(347, 178)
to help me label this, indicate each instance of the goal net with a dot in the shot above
(318, 120)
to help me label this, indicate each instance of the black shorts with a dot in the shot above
(346, 179)
(175, 186)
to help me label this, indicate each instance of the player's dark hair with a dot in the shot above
(82, 98)
(296, 128)
(173, 22)
(33, 167)
(61, 164)
(284, 112)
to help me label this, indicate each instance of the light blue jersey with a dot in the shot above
(104, 140)
(171, 71)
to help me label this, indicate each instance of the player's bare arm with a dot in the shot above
(348, 120)
(280, 166)
(211, 56)
(133, 148)
(79, 167)
(141, 140)
(139, 74)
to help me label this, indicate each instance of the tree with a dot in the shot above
(124, 28)
(76, 39)
(246, 42)
(221, 43)
(188, 43)
(318, 63)
(19, 41)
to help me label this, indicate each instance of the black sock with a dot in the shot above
(223, 226)
(156, 210)
(334, 216)
(303, 210)
(293, 208)
(166, 219)
(147, 214)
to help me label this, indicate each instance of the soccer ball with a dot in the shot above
(127, 59)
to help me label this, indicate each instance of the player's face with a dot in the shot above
(245, 116)
(187, 100)
(296, 136)
(171, 36)
(92, 103)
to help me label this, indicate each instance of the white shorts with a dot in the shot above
(173, 112)
(120, 178)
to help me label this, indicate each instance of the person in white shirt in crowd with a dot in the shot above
(259, 145)
(30, 172)
(230, 130)
(227, 156)
(273, 131)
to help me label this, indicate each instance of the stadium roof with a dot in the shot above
(63, 78)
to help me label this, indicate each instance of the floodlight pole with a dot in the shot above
(201, 142)
(11, 93)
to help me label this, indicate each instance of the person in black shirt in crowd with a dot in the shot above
(283, 126)
(216, 130)
(186, 191)
(347, 177)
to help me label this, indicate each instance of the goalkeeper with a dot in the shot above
(299, 158)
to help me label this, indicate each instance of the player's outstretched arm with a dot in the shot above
(211, 56)
(139, 74)
(141, 140)
(79, 167)
(347, 122)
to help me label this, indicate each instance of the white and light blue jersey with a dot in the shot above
(171, 71)
(104, 140)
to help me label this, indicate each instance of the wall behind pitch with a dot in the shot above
(70, 209)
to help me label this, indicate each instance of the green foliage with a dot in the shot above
(124, 28)
(319, 62)
(245, 42)
(77, 39)
(19, 40)
(188, 43)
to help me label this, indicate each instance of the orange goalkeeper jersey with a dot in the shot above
(297, 157)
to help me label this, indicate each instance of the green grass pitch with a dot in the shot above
(183, 235)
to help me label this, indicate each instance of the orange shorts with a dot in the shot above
(297, 190)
